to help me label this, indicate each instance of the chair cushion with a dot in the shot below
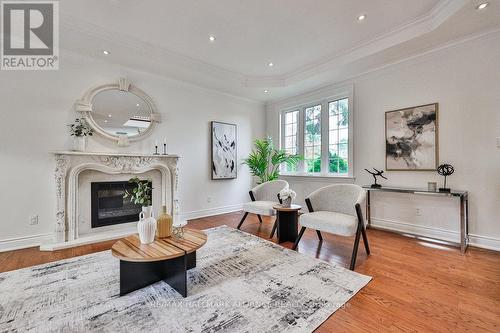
(334, 223)
(260, 207)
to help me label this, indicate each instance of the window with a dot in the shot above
(322, 133)
(290, 136)
(312, 139)
(338, 147)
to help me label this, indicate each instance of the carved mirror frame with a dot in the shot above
(84, 107)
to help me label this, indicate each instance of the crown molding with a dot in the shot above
(350, 80)
(410, 30)
(417, 27)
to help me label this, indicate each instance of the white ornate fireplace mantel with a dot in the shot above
(69, 166)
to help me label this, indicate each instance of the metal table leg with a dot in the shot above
(464, 223)
(368, 208)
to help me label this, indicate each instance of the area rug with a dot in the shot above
(241, 284)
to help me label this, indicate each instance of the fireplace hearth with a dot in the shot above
(108, 205)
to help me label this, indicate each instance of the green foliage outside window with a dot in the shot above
(336, 164)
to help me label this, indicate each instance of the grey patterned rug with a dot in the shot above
(242, 284)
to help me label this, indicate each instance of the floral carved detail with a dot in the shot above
(173, 166)
(60, 225)
(127, 163)
(60, 174)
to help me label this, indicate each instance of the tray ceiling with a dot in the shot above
(303, 39)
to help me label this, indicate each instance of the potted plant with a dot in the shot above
(80, 130)
(265, 160)
(141, 195)
(286, 196)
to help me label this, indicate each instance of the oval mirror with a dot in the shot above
(119, 111)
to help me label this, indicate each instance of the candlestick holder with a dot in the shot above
(164, 149)
(156, 150)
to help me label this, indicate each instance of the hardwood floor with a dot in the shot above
(416, 287)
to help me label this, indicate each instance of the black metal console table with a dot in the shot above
(464, 206)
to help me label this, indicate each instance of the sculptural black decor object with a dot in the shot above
(375, 174)
(445, 170)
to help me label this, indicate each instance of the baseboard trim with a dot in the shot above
(89, 239)
(211, 212)
(425, 231)
(490, 243)
(24, 242)
(484, 242)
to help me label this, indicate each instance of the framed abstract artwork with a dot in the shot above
(224, 150)
(411, 139)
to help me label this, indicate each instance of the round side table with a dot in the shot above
(287, 219)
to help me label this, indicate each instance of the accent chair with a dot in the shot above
(264, 197)
(336, 209)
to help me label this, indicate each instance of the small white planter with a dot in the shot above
(79, 143)
(287, 202)
(147, 225)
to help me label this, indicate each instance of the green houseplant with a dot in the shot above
(141, 195)
(265, 160)
(141, 192)
(80, 130)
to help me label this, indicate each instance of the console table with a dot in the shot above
(464, 206)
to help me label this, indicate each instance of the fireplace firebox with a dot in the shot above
(108, 205)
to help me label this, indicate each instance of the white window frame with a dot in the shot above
(325, 137)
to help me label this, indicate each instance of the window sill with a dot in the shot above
(316, 176)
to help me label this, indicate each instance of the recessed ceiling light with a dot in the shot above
(105, 121)
(361, 17)
(270, 64)
(106, 52)
(137, 104)
(266, 91)
(109, 115)
(482, 5)
(211, 38)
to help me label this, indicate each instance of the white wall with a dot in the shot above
(36, 106)
(465, 81)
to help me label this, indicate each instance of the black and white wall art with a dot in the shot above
(224, 151)
(411, 136)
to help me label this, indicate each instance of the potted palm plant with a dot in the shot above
(265, 160)
(141, 195)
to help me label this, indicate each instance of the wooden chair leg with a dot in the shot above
(365, 240)
(355, 248)
(260, 218)
(319, 235)
(298, 238)
(274, 227)
(243, 219)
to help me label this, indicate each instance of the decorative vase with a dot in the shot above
(287, 202)
(164, 224)
(147, 225)
(79, 143)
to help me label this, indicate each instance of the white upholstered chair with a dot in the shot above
(336, 209)
(264, 197)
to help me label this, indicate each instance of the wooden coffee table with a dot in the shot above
(287, 222)
(166, 259)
